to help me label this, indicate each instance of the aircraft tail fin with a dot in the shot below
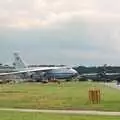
(18, 63)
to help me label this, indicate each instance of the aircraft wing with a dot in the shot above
(112, 74)
(42, 69)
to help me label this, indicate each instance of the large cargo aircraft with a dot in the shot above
(39, 73)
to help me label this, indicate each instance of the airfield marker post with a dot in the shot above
(94, 96)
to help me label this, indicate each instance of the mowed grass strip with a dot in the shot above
(7, 115)
(67, 95)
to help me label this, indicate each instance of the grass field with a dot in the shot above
(44, 116)
(68, 95)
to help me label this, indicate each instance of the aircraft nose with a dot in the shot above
(74, 72)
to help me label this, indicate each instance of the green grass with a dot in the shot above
(4, 115)
(68, 95)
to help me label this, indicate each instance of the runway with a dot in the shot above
(112, 85)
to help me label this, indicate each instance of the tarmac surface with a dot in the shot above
(79, 112)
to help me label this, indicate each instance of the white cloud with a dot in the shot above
(40, 13)
(98, 19)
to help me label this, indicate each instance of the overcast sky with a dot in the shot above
(72, 32)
